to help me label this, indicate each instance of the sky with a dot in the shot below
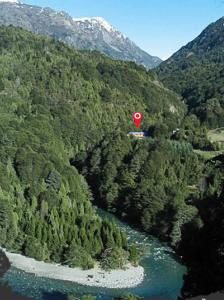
(160, 27)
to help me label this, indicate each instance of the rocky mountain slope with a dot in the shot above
(86, 33)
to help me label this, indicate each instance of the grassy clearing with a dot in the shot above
(208, 154)
(216, 135)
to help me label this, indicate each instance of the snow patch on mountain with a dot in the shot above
(96, 21)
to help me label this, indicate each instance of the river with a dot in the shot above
(163, 275)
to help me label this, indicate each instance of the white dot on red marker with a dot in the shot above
(137, 117)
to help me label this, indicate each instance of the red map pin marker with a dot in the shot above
(137, 117)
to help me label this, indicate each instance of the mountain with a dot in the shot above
(86, 33)
(99, 34)
(196, 72)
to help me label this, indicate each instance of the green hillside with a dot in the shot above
(202, 242)
(196, 72)
(64, 119)
(57, 103)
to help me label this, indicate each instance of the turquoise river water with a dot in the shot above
(163, 275)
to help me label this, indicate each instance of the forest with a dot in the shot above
(45, 204)
(196, 73)
(64, 119)
(57, 105)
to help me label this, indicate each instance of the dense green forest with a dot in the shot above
(196, 72)
(148, 182)
(202, 244)
(64, 119)
(57, 104)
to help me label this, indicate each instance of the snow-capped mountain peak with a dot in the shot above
(93, 33)
(104, 23)
(96, 20)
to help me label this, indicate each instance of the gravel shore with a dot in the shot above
(118, 279)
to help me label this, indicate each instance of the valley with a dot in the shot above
(77, 195)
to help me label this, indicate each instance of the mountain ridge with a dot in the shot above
(196, 72)
(82, 33)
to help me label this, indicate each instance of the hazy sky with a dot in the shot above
(160, 27)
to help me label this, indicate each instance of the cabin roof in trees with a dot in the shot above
(138, 134)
